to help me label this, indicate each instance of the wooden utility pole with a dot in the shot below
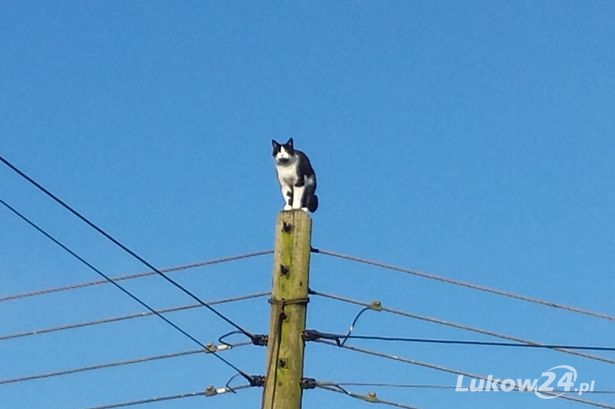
(289, 298)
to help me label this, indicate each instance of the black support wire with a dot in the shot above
(86, 284)
(376, 306)
(340, 339)
(454, 371)
(209, 349)
(125, 291)
(122, 246)
(370, 397)
(465, 284)
(135, 315)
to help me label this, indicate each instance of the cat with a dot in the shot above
(296, 176)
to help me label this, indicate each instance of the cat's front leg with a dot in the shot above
(287, 194)
(298, 197)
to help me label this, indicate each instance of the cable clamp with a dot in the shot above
(257, 380)
(314, 335)
(213, 391)
(375, 305)
(212, 348)
(293, 301)
(371, 397)
(308, 383)
(311, 335)
(260, 339)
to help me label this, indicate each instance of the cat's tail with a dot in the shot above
(312, 204)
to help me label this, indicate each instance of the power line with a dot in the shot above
(312, 335)
(122, 246)
(125, 291)
(376, 306)
(454, 371)
(150, 400)
(210, 391)
(210, 349)
(221, 260)
(387, 385)
(370, 397)
(107, 320)
(468, 285)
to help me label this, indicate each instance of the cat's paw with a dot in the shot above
(305, 209)
(288, 207)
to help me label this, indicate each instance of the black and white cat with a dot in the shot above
(296, 176)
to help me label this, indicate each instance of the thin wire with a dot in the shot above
(337, 337)
(460, 326)
(443, 387)
(133, 276)
(466, 284)
(354, 322)
(112, 364)
(386, 385)
(453, 371)
(160, 399)
(150, 400)
(228, 386)
(125, 317)
(122, 246)
(368, 398)
(125, 291)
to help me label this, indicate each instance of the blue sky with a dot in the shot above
(473, 140)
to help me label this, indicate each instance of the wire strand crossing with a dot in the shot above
(122, 246)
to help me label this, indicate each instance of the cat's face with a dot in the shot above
(283, 153)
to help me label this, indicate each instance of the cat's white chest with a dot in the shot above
(287, 175)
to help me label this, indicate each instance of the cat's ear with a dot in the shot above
(275, 144)
(289, 143)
